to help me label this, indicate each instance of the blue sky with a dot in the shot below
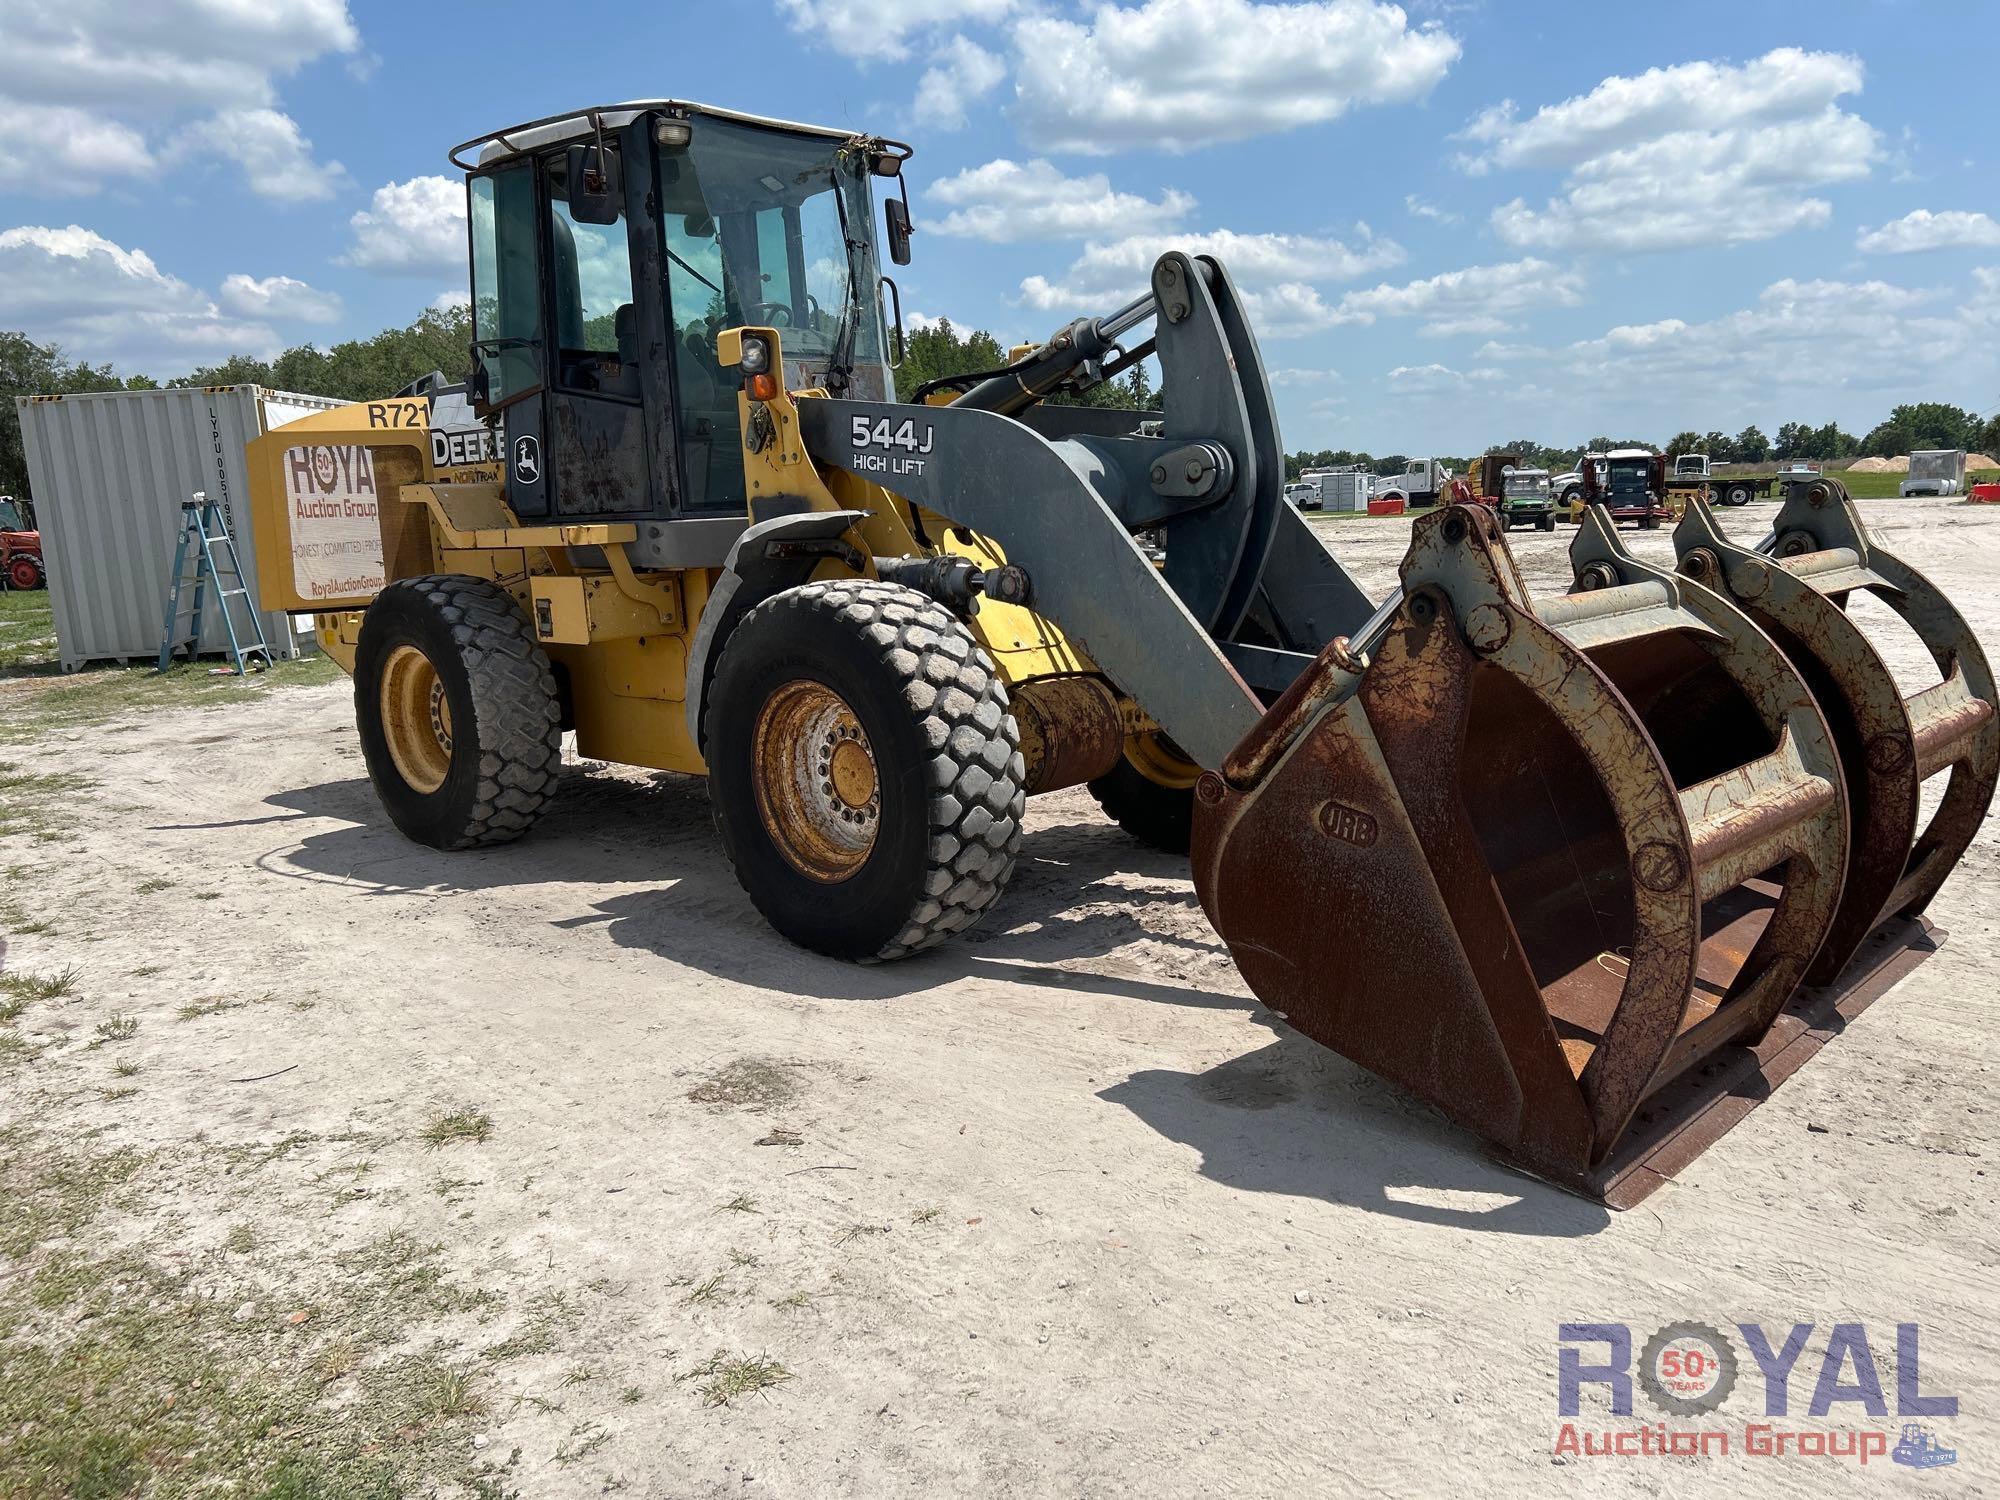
(1457, 222)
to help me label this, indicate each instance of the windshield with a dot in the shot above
(754, 221)
(1627, 476)
(1934, 465)
(1525, 484)
(1689, 464)
(11, 518)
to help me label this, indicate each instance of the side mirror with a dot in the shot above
(896, 214)
(596, 193)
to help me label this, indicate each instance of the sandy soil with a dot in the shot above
(1072, 1214)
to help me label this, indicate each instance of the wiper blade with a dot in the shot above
(840, 362)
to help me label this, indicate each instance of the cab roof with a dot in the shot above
(583, 124)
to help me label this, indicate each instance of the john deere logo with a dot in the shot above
(527, 460)
(1348, 824)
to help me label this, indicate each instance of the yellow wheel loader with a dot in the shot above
(1560, 866)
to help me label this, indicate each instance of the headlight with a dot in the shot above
(755, 358)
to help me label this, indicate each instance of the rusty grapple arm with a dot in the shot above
(1543, 860)
(1796, 585)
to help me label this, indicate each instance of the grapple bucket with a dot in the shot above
(1557, 866)
(1796, 587)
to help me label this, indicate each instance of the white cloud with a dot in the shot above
(1953, 229)
(50, 149)
(415, 228)
(961, 72)
(1697, 154)
(279, 297)
(276, 158)
(92, 78)
(1276, 273)
(1181, 74)
(1293, 376)
(450, 298)
(164, 53)
(1807, 346)
(101, 301)
(875, 30)
(1471, 300)
(1420, 208)
(1003, 202)
(1423, 377)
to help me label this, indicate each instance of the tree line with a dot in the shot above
(356, 370)
(1908, 428)
(367, 369)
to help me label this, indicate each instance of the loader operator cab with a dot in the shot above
(608, 249)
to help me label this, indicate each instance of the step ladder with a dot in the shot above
(206, 554)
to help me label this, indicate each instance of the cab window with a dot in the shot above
(590, 285)
(506, 288)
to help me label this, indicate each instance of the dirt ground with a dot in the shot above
(638, 1197)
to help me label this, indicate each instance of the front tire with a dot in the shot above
(864, 768)
(1738, 494)
(24, 572)
(458, 712)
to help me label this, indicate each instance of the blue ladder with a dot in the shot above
(204, 533)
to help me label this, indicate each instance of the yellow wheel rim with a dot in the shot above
(818, 790)
(1158, 761)
(416, 719)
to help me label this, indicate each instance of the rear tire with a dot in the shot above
(1547, 522)
(25, 573)
(1157, 812)
(457, 709)
(864, 768)
(1739, 494)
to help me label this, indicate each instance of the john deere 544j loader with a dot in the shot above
(1558, 865)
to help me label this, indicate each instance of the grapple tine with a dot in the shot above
(1502, 866)
(1795, 586)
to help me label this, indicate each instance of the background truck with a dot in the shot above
(1935, 471)
(1420, 484)
(21, 565)
(1632, 487)
(1694, 470)
(1568, 487)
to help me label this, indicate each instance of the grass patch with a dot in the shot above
(27, 632)
(707, 1293)
(48, 1194)
(97, 694)
(460, 1125)
(156, 1389)
(211, 1005)
(751, 1083)
(548, 1317)
(925, 1215)
(153, 887)
(24, 988)
(119, 1027)
(38, 802)
(742, 1203)
(792, 1302)
(725, 1376)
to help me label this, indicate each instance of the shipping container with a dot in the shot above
(108, 472)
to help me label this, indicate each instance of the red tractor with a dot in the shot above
(20, 547)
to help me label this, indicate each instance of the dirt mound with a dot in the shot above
(1980, 461)
(1879, 466)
